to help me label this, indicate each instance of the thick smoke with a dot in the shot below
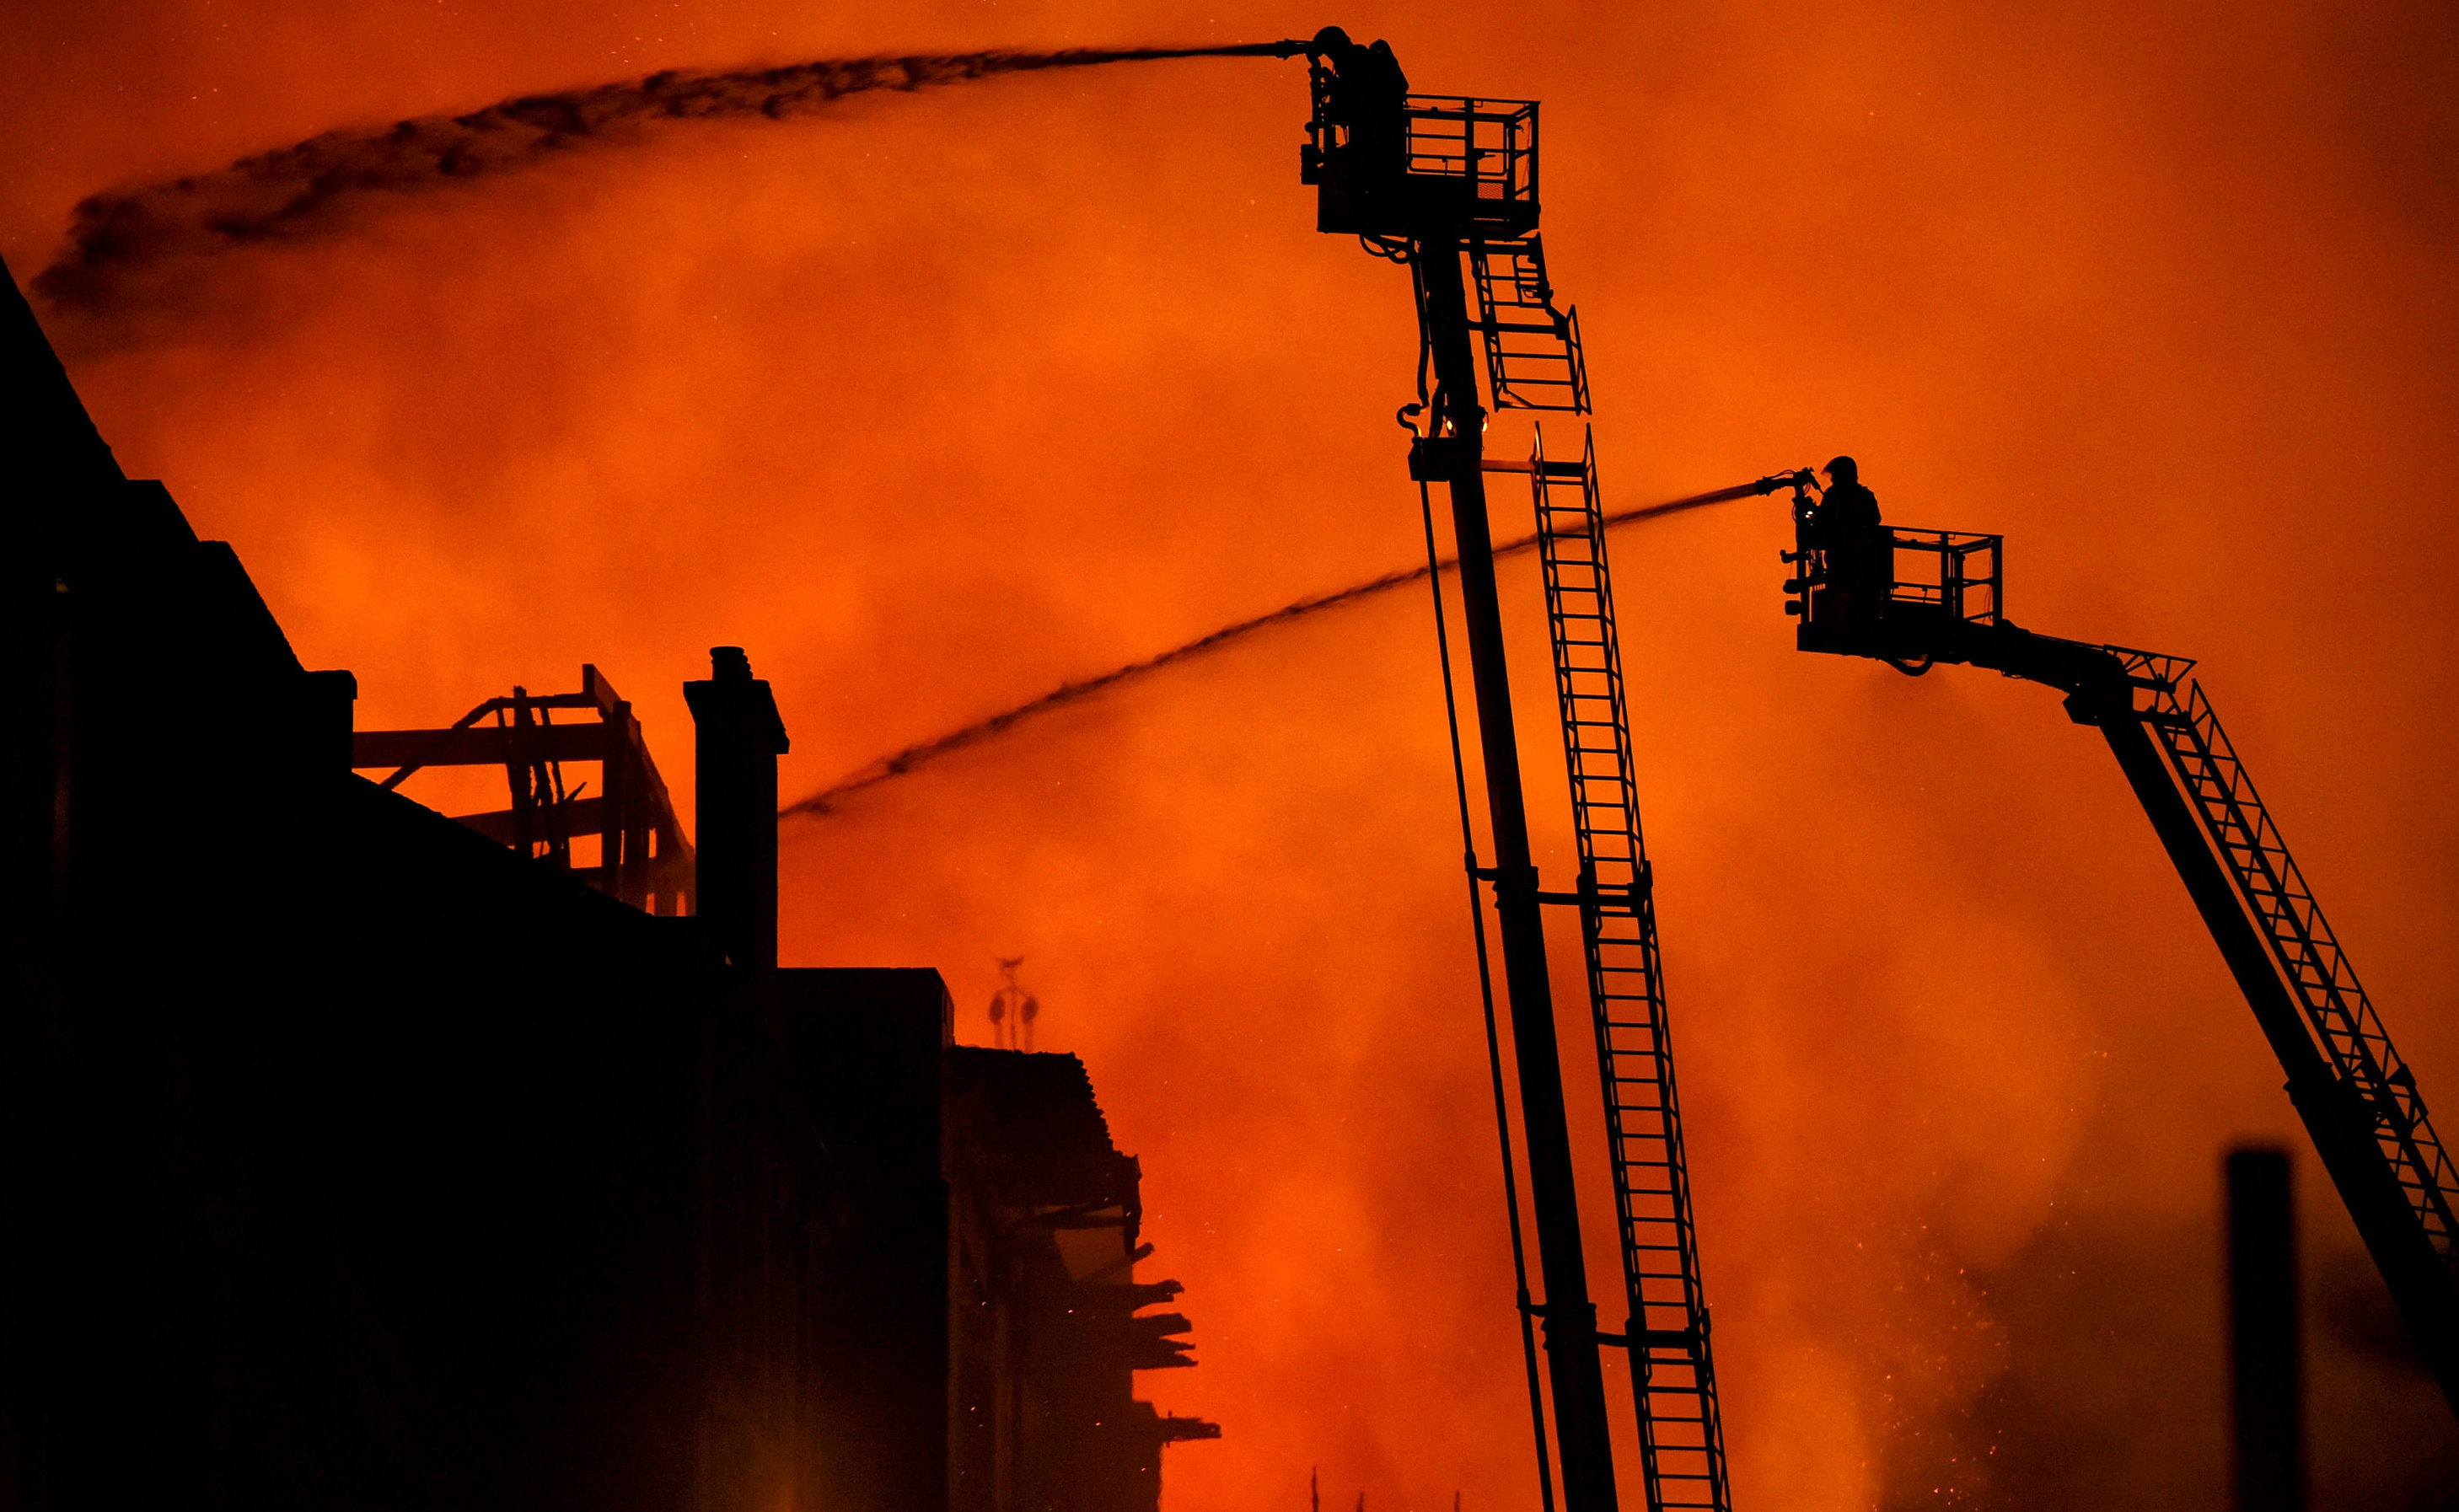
(309, 189)
(922, 753)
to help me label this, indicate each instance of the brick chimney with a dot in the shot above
(740, 739)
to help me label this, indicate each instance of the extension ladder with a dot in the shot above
(1532, 350)
(1681, 1437)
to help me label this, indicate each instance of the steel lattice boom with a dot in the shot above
(2302, 940)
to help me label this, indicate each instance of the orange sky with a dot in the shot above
(937, 401)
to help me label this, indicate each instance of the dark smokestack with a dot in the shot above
(2265, 1353)
(740, 739)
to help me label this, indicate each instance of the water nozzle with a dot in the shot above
(1286, 48)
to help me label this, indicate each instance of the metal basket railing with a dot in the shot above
(1490, 143)
(1957, 572)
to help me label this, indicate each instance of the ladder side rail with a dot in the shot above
(1546, 369)
(1674, 1382)
(1624, 774)
(2418, 1279)
(1690, 1350)
(1709, 1422)
(2308, 952)
(1481, 268)
(2246, 814)
(2307, 947)
(1552, 565)
(1589, 833)
(1579, 362)
(1624, 800)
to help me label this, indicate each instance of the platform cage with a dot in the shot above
(1463, 165)
(1954, 575)
(1490, 144)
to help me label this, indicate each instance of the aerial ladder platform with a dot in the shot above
(1448, 186)
(1944, 604)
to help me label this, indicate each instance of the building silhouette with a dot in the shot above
(353, 1157)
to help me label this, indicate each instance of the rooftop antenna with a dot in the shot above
(1013, 1009)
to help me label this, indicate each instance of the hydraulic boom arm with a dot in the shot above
(2358, 1099)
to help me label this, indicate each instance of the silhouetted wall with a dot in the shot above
(351, 1160)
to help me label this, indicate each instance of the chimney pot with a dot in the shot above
(739, 737)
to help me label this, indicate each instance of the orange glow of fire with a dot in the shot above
(934, 403)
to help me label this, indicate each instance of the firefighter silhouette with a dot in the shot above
(1013, 1009)
(1369, 97)
(1859, 553)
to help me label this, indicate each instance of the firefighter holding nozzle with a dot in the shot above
(1844, 529)
(1369, 97)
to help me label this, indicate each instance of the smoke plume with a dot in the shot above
(922, 753)
(310, 189)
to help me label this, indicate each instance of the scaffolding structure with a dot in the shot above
(623, 839)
